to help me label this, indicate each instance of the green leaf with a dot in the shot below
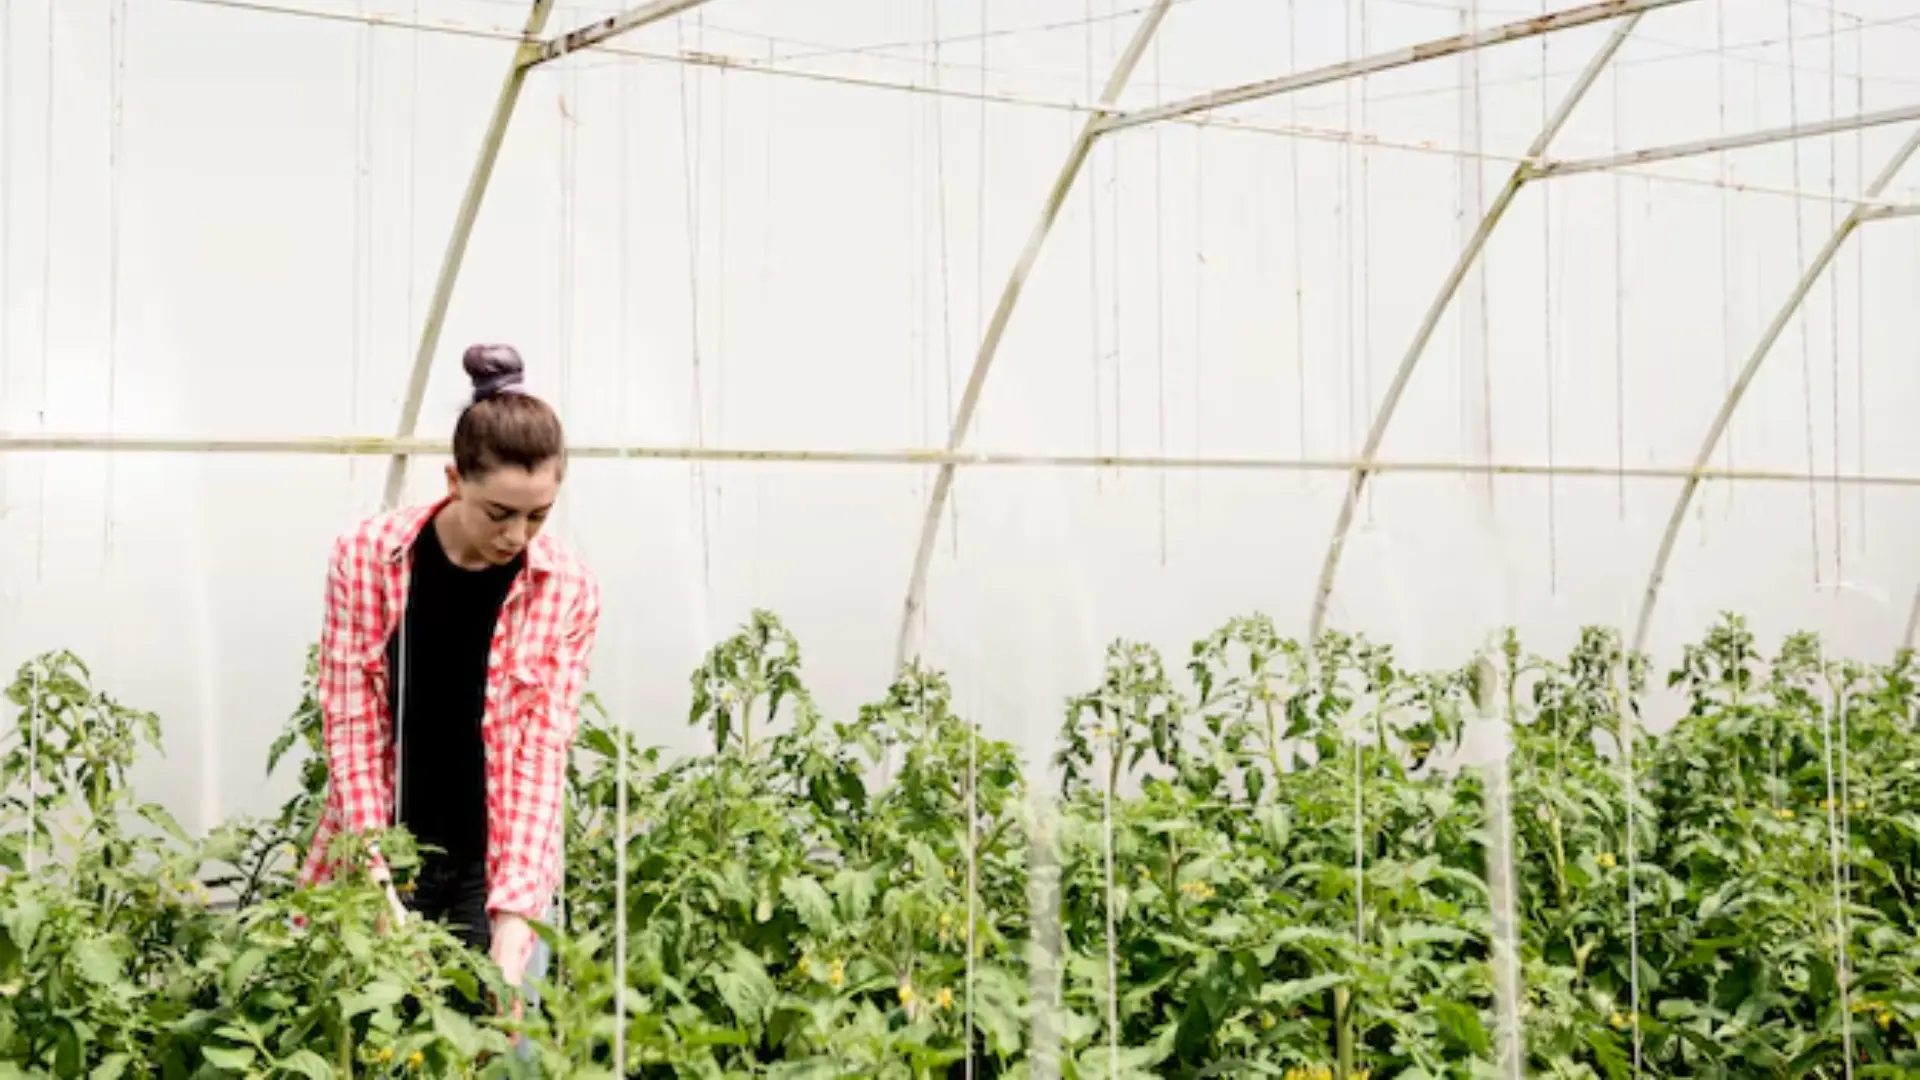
(810, 902)
(231, 1058)
(111, 1067)
(97, 960)
(380, 995)
(308, 1064)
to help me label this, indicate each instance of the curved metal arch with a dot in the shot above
(1861, 212)
(1003, 313)
(1357, 478)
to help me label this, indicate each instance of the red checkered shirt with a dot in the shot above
(535, 676)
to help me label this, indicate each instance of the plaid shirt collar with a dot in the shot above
(540, 553)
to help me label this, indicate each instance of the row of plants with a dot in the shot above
(1269, 864)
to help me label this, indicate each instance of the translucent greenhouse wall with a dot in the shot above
(757, 228)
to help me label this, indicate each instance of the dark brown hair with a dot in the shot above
(504, 425)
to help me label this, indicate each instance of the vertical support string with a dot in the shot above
(1724, 166)
(938, 105)
(1299, 264)
(117, 58)
(1626, 714)
(973, 876)
(1830, 704)
(1113, 953)
(692, 132)
(33, 771)
(1093, 260)
(1833, 292)
(1806, 330)
(1552, 359)
(621, 821)
(1160, 297)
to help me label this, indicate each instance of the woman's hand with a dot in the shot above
(512, 948)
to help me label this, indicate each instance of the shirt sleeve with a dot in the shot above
(530, 871)
(354, 725)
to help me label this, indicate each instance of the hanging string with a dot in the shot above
(7, 240)
(1860, 284)
(1806, 331)
(1299, 265)
(1160, 299)
(1199, 303)
(973, 727)
(1343, 226)
(117, 58)
(1619, 303)
(1725, 167)
(46, 304)
(720, 314)
(362, 242)
(1552, 358)
(621, 826)
(1833, 290)
(1117, 348)
(1366, 238)
(1093, 264)
(692, 131)
(938, 105)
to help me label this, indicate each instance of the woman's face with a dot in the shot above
(500, 512)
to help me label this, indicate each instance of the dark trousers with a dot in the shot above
(454, 892)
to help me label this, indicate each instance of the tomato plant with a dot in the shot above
(1268, 860)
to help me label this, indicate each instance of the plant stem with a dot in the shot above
(1343, 1032)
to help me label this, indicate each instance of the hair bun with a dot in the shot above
(494, 369)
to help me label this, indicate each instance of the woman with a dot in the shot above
(452, 661)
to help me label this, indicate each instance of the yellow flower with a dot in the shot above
(1266, 1021)
(803, 967)
(839, 973)
(416, 1059)
(1883, 1018)
(385, 1055)
(1619, 1022)
(1606, 860)
(944, 999)
(906, 993)
(1783, 814)
(946, 919)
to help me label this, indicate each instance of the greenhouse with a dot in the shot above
(1100, 539)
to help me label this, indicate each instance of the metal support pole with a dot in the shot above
(1738, 390)
(457, 244)
(1370, 65)
(1003, 313)
(1357, 480)
(609, 28)
(1717, 144)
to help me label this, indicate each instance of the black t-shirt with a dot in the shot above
(438, 695)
